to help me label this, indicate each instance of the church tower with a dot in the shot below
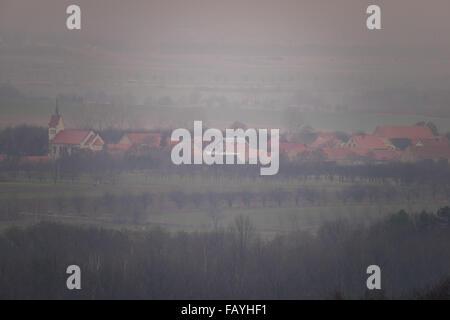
(56, 124)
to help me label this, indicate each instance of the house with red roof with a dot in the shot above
(432, 153)
(422, 143)
(436, 142)
(410, 132)
(415, 153)
(369, 141)
(383, 155)
(435, 148)
(66, 142)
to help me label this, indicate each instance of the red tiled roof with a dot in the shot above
(360, 151)
(149, 139)
(410, 132)
(437, 141)
(370, 142)
(432, 152)
(70, 137)
(54, 121)
(385, 155)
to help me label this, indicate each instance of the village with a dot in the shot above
(385, 144)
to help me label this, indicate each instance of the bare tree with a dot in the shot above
(216, 215)
(243, 230)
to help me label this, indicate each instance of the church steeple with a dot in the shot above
(57, 108)
(56, 124)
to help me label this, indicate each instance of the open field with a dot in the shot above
(82, 202)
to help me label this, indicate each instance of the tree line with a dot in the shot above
(135, 208)
(24, 140)
(230, 263)
(104, 167)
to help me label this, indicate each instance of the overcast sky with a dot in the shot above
(143, 23)
(323, 43)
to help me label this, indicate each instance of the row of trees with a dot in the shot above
(232, 263)
(103, 167)
(24, 141)
(136, 208)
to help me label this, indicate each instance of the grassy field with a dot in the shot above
(150, 181)
(268, 220)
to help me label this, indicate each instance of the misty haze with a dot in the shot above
(86, 135)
